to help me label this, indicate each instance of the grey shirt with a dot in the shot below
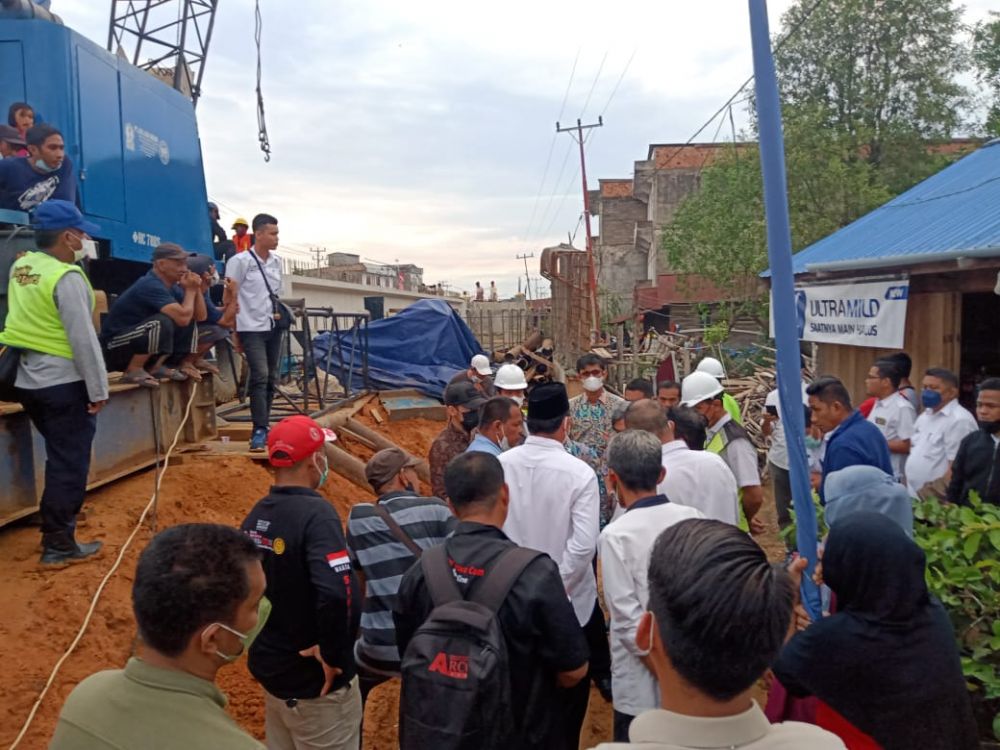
(41, 370)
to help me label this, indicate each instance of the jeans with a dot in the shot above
(263, 353)
(59, 413)
(156, 335)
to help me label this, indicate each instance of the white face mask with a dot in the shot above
(593, 383)
(646, 651)
(519, 400)
(87, 249)
(503, 442)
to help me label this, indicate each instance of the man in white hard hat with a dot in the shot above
(479, 374)
(714, 368)
(510, 382)
(727, 438)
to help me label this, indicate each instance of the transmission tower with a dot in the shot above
(169, 38)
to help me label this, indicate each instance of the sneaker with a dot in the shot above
(62, 548)
(258, 441)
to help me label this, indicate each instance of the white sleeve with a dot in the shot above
(236, 269)
(742, 459)
(954, 436)
(584, 528)
(620, 595)
(907, 418)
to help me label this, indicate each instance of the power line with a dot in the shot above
(619, 83)
(552, 145)
(731, 100)
(600, 68)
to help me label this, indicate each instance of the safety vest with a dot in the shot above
(33, 320)
(718, 444)
(242, 244)
(732, 407)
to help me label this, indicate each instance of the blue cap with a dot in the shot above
(60, 214)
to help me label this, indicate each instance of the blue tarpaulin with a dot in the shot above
(422, 347)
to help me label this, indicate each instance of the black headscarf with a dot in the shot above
(887, 661)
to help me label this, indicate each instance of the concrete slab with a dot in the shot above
(411, 404)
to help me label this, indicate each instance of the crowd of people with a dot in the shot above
(483, 600)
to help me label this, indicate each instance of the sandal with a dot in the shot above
(191, 371)
(162, 372)
(206, 366)
(140, 377)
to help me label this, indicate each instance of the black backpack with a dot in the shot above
(456, 678)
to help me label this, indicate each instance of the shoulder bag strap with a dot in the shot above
(263, 275)
(508, 568)
(397, 531)
(441, 583)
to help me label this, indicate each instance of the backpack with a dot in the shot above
(456, 678)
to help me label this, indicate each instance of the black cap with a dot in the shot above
(171, 251)
(463, 394)
(200, 264)
(548, 401)
(11, 135)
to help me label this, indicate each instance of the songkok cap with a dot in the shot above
(296, 438)
(548, 401)
(386, 464)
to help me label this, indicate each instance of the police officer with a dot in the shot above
(61, 380)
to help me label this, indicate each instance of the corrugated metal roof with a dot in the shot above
(952, 213)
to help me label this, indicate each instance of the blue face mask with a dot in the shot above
(813, 443)
(41, 166)
(930, 399)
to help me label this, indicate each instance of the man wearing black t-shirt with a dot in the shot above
(27, 182)
(304, 656)
(546, 647)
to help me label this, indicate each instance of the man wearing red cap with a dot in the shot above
(304, 655)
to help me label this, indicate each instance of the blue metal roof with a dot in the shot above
(954, 213)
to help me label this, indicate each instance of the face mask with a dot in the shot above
(930, 399)
(503, 442)
(41, 166)
(649, 647)
(469, 421)
(593, 383)
(989, 427)
(519, 400)
(812, 443)
(324, 472)
(228, 658)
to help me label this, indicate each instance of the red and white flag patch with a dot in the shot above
(338, 560)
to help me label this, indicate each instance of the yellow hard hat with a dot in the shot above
(239, 221)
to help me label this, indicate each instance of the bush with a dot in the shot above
(962, 545)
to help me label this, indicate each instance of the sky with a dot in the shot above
(423, 132)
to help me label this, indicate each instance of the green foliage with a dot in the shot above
(962, 545)
(986, 57)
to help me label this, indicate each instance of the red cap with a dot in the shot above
(296, 438)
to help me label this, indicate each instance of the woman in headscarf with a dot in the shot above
(867, 488)
(885, 667)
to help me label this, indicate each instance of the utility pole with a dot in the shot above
(318, 256)
(577, 133)
(526, 276)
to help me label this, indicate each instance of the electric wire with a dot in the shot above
(107, 577)
(262, 137)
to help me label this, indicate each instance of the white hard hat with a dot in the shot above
(699, 386)
(481, 364)
(510, 378)
(712, 366)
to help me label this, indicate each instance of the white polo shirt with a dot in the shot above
(625, 547)
(934, 444)
(660, 729)
(256, 312)
(894, 416)
(699, 479)
(740, 456)
(778, 453)
(554, 507)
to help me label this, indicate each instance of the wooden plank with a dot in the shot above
(376, 415)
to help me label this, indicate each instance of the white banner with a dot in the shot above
(859, 314)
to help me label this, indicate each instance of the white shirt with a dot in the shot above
(934, 444)
(699, 479)
(894, 416)
(740, 456)
(554, 507)
(256, 311)
(625, 547)
(660, 729)
(778, 454)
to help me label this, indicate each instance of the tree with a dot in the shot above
(882, 75)
(986, 56)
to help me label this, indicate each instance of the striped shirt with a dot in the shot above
(384, 559)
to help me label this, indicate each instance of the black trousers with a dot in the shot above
(156, 335)
(572, 710)
(263, 353)
(59, 413)
(621, 724)
(596, 632)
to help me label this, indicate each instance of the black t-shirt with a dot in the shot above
(145, 298)
(315, 598)
(542, 633)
